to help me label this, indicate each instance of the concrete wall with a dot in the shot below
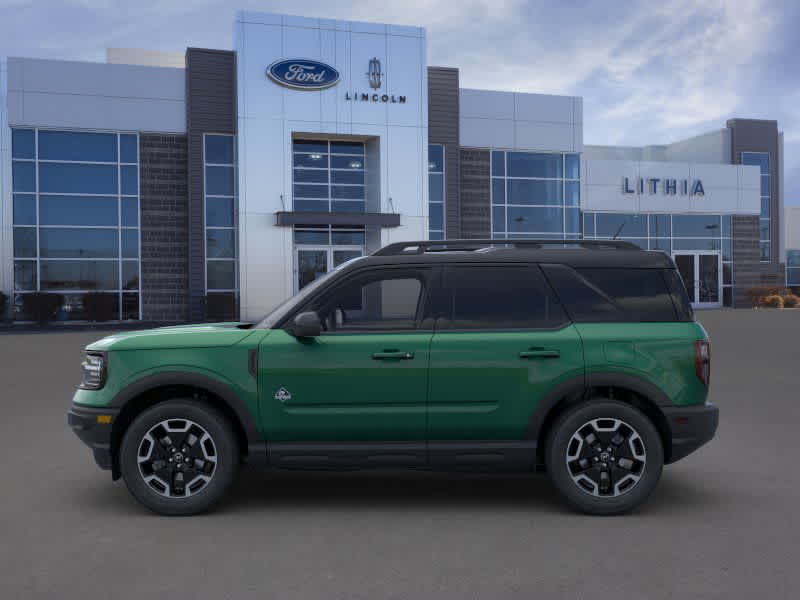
(711, 147)
(145, 58)
(791, 227)
(270, 114)
(82, 95)
(519, 121)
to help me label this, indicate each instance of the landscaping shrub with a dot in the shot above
(773, 301)
(98, 306)
(41, 306)
(790, 301)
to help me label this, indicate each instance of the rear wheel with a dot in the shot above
(179, 457)
(605, 457)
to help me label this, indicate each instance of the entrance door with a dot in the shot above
(314, 261)
(702, 275)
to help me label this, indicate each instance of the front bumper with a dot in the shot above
(96, 434)
(691, 426)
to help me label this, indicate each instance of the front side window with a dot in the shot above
(374, 302)
(498, 297)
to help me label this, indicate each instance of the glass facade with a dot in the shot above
(76, 221)
(435, 191)
(328, 176)
(793, 268)
(669, 233)
(320, 248)
(222, 277)
(535, 195)
(761, 160)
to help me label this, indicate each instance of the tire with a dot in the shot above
(164, 431)
(640, 452)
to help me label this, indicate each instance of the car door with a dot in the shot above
(502, 341)
(365, 377)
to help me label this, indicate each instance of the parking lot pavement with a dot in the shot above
(723, 523)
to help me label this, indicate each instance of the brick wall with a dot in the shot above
(165, 227)
(476, 219)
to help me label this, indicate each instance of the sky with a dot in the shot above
(649, 72)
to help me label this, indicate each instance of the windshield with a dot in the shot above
(290, 303)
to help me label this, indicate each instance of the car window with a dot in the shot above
(499, 297)
(613, 294)
(374, 303)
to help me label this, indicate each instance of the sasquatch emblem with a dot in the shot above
(283, 395)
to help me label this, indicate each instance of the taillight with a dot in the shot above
(702, 361)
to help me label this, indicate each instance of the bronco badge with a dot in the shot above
(283, 395)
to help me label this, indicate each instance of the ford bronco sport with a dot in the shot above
(580, 358)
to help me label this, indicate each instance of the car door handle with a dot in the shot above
(540, 353)
(393, 355)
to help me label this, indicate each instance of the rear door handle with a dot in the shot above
(540, 353)
(393, 355)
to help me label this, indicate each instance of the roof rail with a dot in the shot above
(422, 246)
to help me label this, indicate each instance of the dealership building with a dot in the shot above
(213, 184)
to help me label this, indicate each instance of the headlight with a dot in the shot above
(93, 368)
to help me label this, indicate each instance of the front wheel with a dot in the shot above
(179, 457)
(605, 457)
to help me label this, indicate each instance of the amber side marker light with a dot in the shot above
(104, 419)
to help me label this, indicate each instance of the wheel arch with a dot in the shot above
(152, 389)
(617, 386)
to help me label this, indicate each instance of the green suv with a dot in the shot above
(579, 358)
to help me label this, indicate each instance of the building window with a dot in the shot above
(793, 268)
(321, 248)
(436, 191)
(535, 195)
(761, 160)
(328, 176)
(222, 281)
(76, 222)
(669, 233)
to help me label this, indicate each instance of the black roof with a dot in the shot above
(575, 253)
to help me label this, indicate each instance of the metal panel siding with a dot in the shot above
(210, 108)
(443, 128)
(476, 219)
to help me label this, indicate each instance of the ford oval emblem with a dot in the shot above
(303, 74)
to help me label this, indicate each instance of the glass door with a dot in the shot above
(312, 262)
(702, 275)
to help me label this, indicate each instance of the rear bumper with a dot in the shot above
(83, 421)
(691, 426)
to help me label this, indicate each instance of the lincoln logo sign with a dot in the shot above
(667, 186)
(302, 74)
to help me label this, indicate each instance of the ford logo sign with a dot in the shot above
(303, 74)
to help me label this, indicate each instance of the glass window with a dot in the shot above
(220, 243)
(23, 143)
(347, 206)
(219, 149)
(436, 191)
(347, 148)
(498, 163)
(67, 178)
(535, 219)
(23, 176)
(620, 225)
(128, 148)
(311, 205)
(696, 225)
(436, 187)
(727, 225)
(765, 191)
(319, 161)
(696, 244)
(24, 209)
(793, 258)
(387, 302)
(347, 192)
(345, 162)
(310, 146)
(310, 191)
(435, 158)
(311, 175)
(348, 238)
(130, 275)
(312, 237)
(572, 193)
(536, 192)
(498, 191)
(660, 226)
(130, 243)
(499, 298)
(79, 275)
(350, 177)
(77, 146)
(530, 164)
(219, 181)
(25, 242)
(759, 159)
(221, 275)
(498, 219)
(130, 306)
(129, 180)
(765, 251)
(130, 212)
(56, 242)
(25, 275)
(77, 210)
(663, 244)
(573, 166)
(436, 217)
(588, 225)
(572, 221)
(219, 212)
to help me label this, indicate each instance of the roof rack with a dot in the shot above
(423, 246)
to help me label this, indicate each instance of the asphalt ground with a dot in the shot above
(723, 523)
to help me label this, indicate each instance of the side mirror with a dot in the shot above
(307, 324)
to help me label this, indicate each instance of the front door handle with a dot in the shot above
(540, 353)
(393, 355)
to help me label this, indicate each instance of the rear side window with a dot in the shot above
(613, 294)
(498, 297)
(679, 296)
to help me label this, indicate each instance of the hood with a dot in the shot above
(206, 335)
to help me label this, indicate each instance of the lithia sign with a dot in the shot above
(667, 186)
(306, 74)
